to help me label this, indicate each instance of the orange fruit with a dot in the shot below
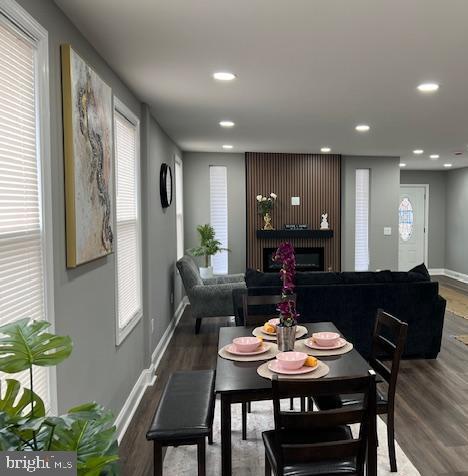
(311, 362)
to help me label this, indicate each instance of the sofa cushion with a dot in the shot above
(422, 270)
(364, 277)
(318, 278)
(255, 279)
(407, 277)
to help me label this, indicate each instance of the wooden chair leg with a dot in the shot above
(303, 404)
(267, 465)
(157, 459)
(310, 404)
(201, 454)
(391, 442)
(197, 325)
(244, 421)
(291, 404)
(210, 437)
(249, 407)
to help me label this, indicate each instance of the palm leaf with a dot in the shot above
(25, 343)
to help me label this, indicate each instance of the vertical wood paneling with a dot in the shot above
(316, 179)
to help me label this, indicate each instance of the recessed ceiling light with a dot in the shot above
(362, 128)
(418, 151)
(402, 165)
(224, 76)
(226, 124)
(325, 149)
(434, 156)
(227, 146)
(428, 87)
(448, 165)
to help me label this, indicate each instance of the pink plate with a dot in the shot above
(231, 348)
(311, 344)
(274, 366)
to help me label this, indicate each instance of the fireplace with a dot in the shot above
(307, 259)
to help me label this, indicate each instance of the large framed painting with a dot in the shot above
(88, 149)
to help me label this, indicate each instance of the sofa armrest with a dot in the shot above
(224, 279)
(213, 300)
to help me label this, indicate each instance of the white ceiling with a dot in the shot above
(308, 71)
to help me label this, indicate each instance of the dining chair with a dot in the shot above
(388, 343)
(320, 443)
(265, 306)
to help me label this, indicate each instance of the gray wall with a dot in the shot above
(197, 201)
(456, 256)
(437, 222)
(384, 194)
(84, 297)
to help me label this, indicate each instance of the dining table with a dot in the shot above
(239, 382)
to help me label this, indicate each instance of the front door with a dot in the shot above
(412, 226)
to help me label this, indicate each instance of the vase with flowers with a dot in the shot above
(286, 329)
(265, 205)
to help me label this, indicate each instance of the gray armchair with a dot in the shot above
(208, 297)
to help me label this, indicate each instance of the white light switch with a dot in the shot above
(387, 231)
(295, 200)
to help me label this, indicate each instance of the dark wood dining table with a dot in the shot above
(238, 382)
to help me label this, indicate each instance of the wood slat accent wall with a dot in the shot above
(316, 179)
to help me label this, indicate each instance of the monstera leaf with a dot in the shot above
(25, 343)
(14, 407)
(88, 430)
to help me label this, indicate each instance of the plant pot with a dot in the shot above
(206, 273)
(286, 337)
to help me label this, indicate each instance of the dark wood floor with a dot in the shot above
(431, 409)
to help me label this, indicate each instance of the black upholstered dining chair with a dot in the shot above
(256, 311)
(388, 343)
(320, 443)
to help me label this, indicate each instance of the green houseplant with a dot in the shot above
(24, 425)
(209, 246)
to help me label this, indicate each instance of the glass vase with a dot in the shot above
(286, 337)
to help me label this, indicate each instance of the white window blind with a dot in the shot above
(361, 256)
(219, 215)
(179, 181)
(128, 240)
(22, 270)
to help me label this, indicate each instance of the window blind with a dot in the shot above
(128, 243)
(361, 255)
(219, 215)
(22, 280)
(179, 208)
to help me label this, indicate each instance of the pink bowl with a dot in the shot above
(326, 339)
(274, 322)
(246, 344)
(291, 360)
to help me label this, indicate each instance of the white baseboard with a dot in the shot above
(147, 377)
(463, 278)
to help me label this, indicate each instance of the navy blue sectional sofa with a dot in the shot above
(351, 300)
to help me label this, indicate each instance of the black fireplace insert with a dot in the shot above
(307, 259)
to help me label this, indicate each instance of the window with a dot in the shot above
(406, 219)
(26, 268)
(219, 215)
(179, 184)
(128, 229)
(361, 252)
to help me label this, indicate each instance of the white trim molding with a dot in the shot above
(463, 278)
(148, 376)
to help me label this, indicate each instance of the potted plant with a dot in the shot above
(24, 424)
(209, 246)
(265, 205)
(286, 329)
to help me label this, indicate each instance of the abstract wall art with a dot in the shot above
(88, 149)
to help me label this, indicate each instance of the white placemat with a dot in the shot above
(300, 346)
(270, 354)
(320, 371)
(301, 331)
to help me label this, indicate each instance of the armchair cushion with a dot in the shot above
(189, 272)
(225, 279)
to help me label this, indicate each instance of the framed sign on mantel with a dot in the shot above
(88, 149)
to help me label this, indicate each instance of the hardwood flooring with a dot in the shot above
(431, 408)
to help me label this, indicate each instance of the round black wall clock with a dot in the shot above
(165, 185)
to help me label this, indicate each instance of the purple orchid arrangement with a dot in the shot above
(287, 307)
